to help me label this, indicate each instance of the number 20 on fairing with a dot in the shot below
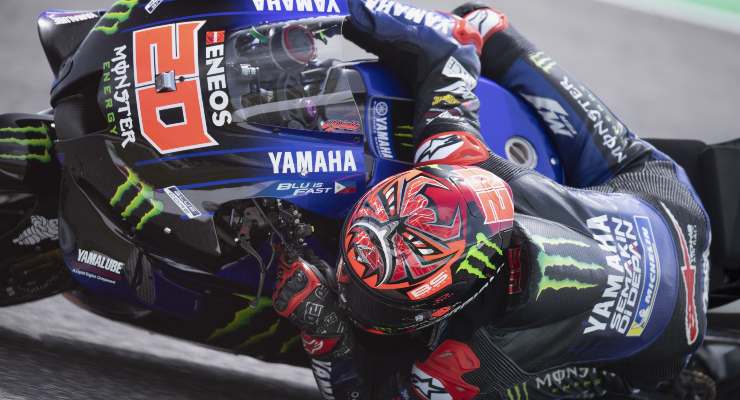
(163, 49)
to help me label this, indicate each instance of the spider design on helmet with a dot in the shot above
(407, 230)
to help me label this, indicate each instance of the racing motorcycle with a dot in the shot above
(189, 139)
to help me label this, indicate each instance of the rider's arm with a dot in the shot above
(593, 144)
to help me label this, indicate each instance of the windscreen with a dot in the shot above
(292, 75)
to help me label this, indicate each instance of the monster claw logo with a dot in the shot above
(518, 392)
(246, 329)
(547, 261)
(124, 8)
(145, 194)
(34, 141)
(480, 256)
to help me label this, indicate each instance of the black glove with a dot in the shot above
(303, 295)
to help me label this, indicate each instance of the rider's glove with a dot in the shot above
(303, 295)
(437, 54)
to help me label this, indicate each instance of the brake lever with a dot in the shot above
(285, 222)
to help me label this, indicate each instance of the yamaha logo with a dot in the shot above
(381, 109)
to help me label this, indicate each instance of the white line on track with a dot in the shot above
(687, 12)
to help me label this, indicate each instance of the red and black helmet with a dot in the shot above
(422, 244)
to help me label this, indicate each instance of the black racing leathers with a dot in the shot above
(605, 288)
(606, 284)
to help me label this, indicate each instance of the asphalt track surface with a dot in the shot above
(664, 77)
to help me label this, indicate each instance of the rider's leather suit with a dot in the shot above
(606, 283)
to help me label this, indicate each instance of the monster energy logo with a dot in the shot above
(479, 257)
(517, 393)
(109, 23)
(547, 261)
(42, 144)
(405, 135)
(245, 317)
(145, 194)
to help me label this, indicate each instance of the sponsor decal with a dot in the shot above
(553, 114)
(152, 6)
(67, 18)
(579, 382)
(33, 143)
(705, 272)
(478, 259)
(427, 386)
(603, 123)
(459, 89)
(403, 142)
(688, 272)
(308, 162)
(318, 6)
(316, 346)
(518, 392)
(175, 120)
(119, 13)
(215, 37)
(117, 96)
(304, 188)
(438, 148)
(94, 265)
(437, 21)
(182, 202)
(557, 377)
(542, 61)
(628, 291)
(246, 323)
(549, 258)
(381, 128)
(651, 277)
(515, 271)
(313, 312)
(345, 187)
(454, 70)
(41, 229)
(218, 98)
(430, 287)
(338, 125)
(322, 372)
(445, 100)
(101, 261)
(486, 21)
(143, 199)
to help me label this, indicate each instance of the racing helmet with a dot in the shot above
(421, 245)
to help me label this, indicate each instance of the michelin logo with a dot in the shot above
(41, 229)
(319, 6)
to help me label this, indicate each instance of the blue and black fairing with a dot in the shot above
(155, 228)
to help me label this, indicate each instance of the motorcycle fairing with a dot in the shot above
(149, 223)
